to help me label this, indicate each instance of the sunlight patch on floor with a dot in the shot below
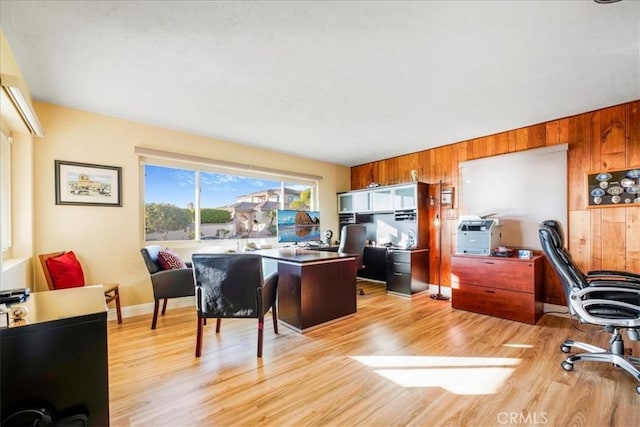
(459, 375)
(514, 345)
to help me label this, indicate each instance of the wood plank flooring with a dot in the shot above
(396, 362)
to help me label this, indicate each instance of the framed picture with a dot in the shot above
(87, 184)
(446, 196)
(614, 188)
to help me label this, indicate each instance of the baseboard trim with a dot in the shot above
(147, 308)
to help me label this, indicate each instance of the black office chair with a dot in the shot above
(352, 240)
(232, 286)
(610, 299)
(171, 283)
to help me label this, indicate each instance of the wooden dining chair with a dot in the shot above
(63, 270)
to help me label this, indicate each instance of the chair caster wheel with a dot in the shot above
(567, 366)
(565, 348)
(361, 292)
(638, 389)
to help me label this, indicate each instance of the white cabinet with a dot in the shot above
(381, 200)
(353, 202)
(405, 197)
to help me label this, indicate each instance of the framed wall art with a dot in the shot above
(614, 188)
(87, 184)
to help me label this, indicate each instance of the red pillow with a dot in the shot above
(65, 271)
(170, 260)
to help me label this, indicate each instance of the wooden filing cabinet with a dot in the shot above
(407, 271)
(510, 288)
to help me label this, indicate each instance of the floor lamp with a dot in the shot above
(438, 226)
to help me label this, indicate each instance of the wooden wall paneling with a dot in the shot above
(633, 239)
(424, 160)
(512, 136)
(536, 136)
(358, 174)
(500, 143)
(612, 138)
(596, 262)
(579, 238)
(521, 139)
(614, 235)
(557, 132)
(479, 148)
(391, 169)
(578, 162)
(443, 165)
(633, 134)
(411, 161)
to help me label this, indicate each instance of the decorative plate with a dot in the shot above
(615, 199)
(633, 173)
(607, 176)
(597, 192)
(627, 182)
(634, 189)
(616, 190)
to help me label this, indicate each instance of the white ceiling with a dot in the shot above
(347, 82)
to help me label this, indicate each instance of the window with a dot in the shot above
(184, 202)
(5, 188)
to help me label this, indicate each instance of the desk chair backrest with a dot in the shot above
(552, 241)
(352, 241)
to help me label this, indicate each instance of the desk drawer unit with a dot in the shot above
(407, 271)
(508, 288)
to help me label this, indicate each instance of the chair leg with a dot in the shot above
(260, 331)
(118, 307)
(218, 321)
(156, 304)
(164, 306)
(199, 336)
(274, 314)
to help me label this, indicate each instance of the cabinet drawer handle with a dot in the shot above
(489, 291)
(489, 262)
(397, 274)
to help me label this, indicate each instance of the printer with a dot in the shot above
(477, 235)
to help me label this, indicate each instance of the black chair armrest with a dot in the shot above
(622, 285)
(173, 283)
(612, 274)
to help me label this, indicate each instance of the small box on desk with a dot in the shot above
(525, 254)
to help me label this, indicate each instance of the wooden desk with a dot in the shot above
(57, 357)
(314, 287)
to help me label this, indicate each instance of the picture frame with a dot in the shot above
(86, 184)
(613, 188)
(446, 196)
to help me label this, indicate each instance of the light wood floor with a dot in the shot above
(396, 362)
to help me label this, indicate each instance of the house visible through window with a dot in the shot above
(183, 203)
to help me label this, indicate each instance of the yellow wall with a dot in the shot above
(108, 239)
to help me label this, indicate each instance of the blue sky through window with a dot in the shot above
(177, 186)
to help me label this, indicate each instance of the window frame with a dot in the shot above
(6, 241)
(217, 167)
